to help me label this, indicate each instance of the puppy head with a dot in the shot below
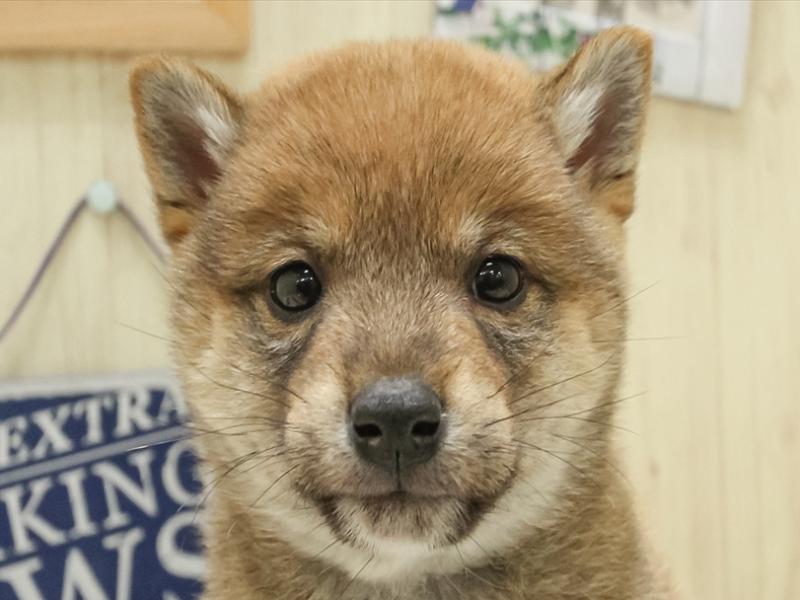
(398, 292)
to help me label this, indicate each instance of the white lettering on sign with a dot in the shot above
(91, 409)
(50, 423)
(172, 557)
(143, 495)
(170, 474)
(172, 409)
(11, 439)
(132, 405)
(124, 543)
(130, 410)
(79, 580)
(24, 518)
(73, 481)
(20, 577)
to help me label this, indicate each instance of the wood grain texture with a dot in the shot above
(716, 454)
(201, 26)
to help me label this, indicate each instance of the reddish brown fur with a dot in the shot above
(394, 169)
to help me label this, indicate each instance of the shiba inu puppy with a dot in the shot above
(399, 302)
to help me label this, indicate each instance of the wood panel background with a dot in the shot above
(716, 453)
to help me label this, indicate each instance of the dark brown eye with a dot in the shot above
(498, 280)
(295, 287)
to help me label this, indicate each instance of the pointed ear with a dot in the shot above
(596, 105)
(187, 123)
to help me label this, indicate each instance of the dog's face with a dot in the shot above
(398, 301)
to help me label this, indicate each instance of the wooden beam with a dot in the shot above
(192, 26)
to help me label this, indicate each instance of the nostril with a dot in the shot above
(368, 431)
(425, 429)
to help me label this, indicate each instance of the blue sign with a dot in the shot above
(98, 495)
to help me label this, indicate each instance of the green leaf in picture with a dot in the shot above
(490, 42)
(508, 31)
(541, 41)
(568, 43)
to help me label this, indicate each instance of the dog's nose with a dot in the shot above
(396, 422)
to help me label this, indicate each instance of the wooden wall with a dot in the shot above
(716, 453)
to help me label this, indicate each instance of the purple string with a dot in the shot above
(56, 244)
(151, 242)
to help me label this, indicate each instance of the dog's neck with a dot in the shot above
(591, 550)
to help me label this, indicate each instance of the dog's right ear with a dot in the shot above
(188, 124)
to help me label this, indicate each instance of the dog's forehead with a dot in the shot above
(395, 147)
(439, 197)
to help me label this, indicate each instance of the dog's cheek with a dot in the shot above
(316, 425)
(476, 400)
(479, 454)
(569, 382)
(236, 413)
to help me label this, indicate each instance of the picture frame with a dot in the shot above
(700, 46)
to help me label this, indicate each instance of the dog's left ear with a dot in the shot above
(595, 105)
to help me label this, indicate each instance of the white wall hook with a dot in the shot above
(102, 197)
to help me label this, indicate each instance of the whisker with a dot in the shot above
(142, 331)
(590, 409)
(230, 529)
(625, 300)
(508, 417)
(227, 364)
(225, 430)
(551, 453)
(607, 404)
(532, 409)
(643, 339)
(235, 389)
(601, 423)
(160, 442)
(264, 461)
(481, 548)
(214, 484)
(517, 373)
(354, 577)
(226, 463)
(449, 581)
(474, 574)
(273, 484)
(595, 453)
(327, 547)
(571, 378)
(586, 438)
(255, 418)
(322, 523)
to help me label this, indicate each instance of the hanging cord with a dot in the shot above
(102, 199)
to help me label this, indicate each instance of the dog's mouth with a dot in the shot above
(434, 520)
(400, 502)
(435, 504)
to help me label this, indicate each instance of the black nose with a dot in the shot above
(396, 423)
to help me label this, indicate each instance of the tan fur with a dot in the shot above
(394, 169)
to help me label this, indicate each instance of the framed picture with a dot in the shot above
(700, 46)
